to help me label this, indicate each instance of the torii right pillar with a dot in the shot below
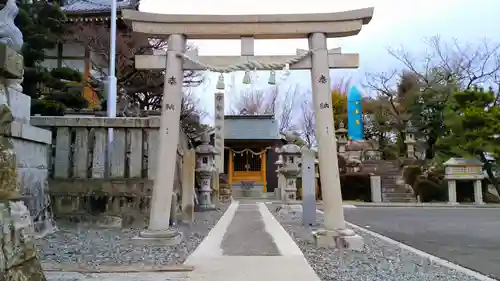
(335, 234)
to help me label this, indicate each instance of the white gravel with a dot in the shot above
(379, 261)
(91, 247)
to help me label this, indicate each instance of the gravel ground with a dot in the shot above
(92, 247)
(379, 261)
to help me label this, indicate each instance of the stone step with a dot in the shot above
(395, 196)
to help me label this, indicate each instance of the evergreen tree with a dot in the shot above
(43, 25)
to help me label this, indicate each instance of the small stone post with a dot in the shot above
(188, 185)
(308, 161)
(478, 192)
(205, 166)
(290, 170)
(376, 188)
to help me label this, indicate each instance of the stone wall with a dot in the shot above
(18, 259)
(31, 146)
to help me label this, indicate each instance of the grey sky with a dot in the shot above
(395, 23)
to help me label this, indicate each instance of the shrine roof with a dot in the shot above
(251, 127)
(84, 7)
(463, 162)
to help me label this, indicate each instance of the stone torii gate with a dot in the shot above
(316, 27)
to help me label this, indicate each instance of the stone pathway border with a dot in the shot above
(211, 264)
(431, 258)
(52, 267)
(420, 205)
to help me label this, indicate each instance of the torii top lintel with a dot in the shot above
(277, 26)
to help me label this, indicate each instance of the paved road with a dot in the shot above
(469, 237)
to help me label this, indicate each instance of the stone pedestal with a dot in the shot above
(205, 198)
(166, 237)
(340, 239)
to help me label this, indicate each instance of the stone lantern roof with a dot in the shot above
(205, 148)
(342, 129)
(290, 147)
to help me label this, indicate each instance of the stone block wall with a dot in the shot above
(31, 146)
(18, 259)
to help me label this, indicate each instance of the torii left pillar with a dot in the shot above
(159, 220)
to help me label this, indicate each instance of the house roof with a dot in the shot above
(463, 162)
(83, 7)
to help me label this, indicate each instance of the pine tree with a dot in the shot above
(43, 25)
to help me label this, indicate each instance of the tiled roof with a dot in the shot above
(95, 6)
(251, 127)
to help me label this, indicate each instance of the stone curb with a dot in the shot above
(116, 268)
(425, 205)
(431, 258)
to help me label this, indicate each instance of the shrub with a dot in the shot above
(411, 173)
(356, 186)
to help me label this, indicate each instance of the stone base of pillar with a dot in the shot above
(453, 203)
(290, 209)
(341, 239)
(158, 237)
(204, 208)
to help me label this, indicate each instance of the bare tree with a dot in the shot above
(464, 63)
(272, 102)
(422, 89)
(143, 86)
(307, 127)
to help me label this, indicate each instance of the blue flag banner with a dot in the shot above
(354, 114)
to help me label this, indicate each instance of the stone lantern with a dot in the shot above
(205, 166)
(290, 169)
(410, 141)
(342, 137)
(281, 179)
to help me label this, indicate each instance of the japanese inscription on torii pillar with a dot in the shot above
(316, 27)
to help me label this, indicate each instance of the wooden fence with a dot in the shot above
(83, 185)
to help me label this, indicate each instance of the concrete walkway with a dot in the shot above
(248, 244)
